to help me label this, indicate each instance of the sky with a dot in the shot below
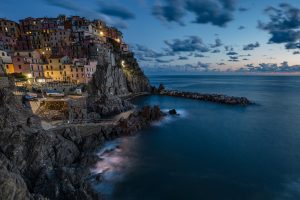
(191, 36)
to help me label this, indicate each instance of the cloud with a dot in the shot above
(231, 53)
(284, 24)
(171, 12)
(250, 65)
(247, 55)
(191, 44)
(203, 65)
(218, 43)
(116, 11)
(142, 51)
(243, 9)
(271, 67)
(234, 57)
(228, 48)
(221, 64)
(144, 59)
(114, 15)
(183, 58)
(241, 27)
(166, 67)
(296, 52)
(216, 12)
(293, 45)
(251, 46)
(65, 4)
(163, 61)
(198, 55)
(216, 51)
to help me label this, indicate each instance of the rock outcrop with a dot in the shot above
(36, 164)
(117, 75)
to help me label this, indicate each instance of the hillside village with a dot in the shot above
(62, 49)
(68, 68)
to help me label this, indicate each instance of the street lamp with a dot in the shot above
(123, 63)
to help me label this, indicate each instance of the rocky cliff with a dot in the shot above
(117, 75)
(36, 164)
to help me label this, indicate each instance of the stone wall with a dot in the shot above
(77, 110)
(4, 82)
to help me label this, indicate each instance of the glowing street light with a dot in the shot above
(29, 75)
(101, 33)
(123, 63)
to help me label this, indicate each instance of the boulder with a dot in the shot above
(173, 112)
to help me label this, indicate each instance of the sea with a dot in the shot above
(211, 151)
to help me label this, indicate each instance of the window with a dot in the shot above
(20, 67)
(18, 59)
(51, 67)
(3, 54)
(52, 73)
(81, 69)
(7, 67)
(50, 61)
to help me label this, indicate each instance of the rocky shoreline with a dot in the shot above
(216, 98)
(37, 164)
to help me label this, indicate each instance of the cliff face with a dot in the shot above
(37, 165)
(117, 75)
(29, 154)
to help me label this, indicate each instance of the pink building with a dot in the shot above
(89, 70)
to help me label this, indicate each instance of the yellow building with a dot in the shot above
(67, 73)
(54, 69)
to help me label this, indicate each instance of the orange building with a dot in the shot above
(54, 69)
(6, 62)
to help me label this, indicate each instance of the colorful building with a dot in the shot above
(9, 28)
(54, 69)
(89, 70)
(6, 62)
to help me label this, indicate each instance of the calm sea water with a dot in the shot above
(212, 151)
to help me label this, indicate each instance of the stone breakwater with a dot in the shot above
(217, 98)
